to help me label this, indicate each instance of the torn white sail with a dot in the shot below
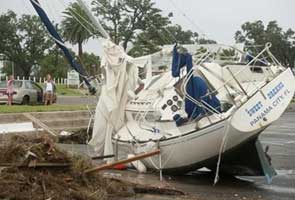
(122, 77)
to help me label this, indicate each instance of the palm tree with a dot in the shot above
(77, 27)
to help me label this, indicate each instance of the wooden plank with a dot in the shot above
(41, 124)
(113, 164)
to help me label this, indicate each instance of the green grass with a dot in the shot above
(39, 108)
(63, 90)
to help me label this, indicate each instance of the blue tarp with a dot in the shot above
(196, 87)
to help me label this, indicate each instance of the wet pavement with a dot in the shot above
(76, 100)
(280, 137)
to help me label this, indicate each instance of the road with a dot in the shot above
(76, 100)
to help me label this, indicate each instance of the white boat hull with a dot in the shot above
(192, 150)
(195, 149)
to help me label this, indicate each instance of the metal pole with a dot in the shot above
(244, 91)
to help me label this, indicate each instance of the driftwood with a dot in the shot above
(41, 124)
(113, 164)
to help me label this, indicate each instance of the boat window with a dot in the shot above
(256, 69)
(174, 108)
(169, 102)
(175, 98)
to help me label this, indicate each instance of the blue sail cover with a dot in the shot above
(196, 87)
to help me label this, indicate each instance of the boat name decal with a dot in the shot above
(264, 110)
(254, 109)
(275, 90)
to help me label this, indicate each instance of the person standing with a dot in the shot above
(49, 88)
(10, 90)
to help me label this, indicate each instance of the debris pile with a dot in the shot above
(77, 137)
(34, 168)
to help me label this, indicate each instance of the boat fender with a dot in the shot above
(138, 165)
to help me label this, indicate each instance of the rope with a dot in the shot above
(221, 150)
(75, 15)
(192, 22)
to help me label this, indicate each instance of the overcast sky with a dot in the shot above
(218, 19)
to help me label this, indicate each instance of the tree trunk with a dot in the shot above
(27, 72)
(80, 51)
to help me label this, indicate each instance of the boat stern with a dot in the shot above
(266, 105)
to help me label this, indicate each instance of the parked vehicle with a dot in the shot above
(26, 92)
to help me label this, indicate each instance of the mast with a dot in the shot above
(61, 44)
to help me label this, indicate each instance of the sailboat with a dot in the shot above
(223, 116)
(202, 111)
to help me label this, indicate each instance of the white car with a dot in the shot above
(26, 92)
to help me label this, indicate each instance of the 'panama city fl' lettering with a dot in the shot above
(275, 95)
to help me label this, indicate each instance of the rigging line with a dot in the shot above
(156, 29)
(94, 21)
(173, 38)
(164, 28)
(189, 19)
(162, 36)
(75, 15)
(222, 149)
(77, 19)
